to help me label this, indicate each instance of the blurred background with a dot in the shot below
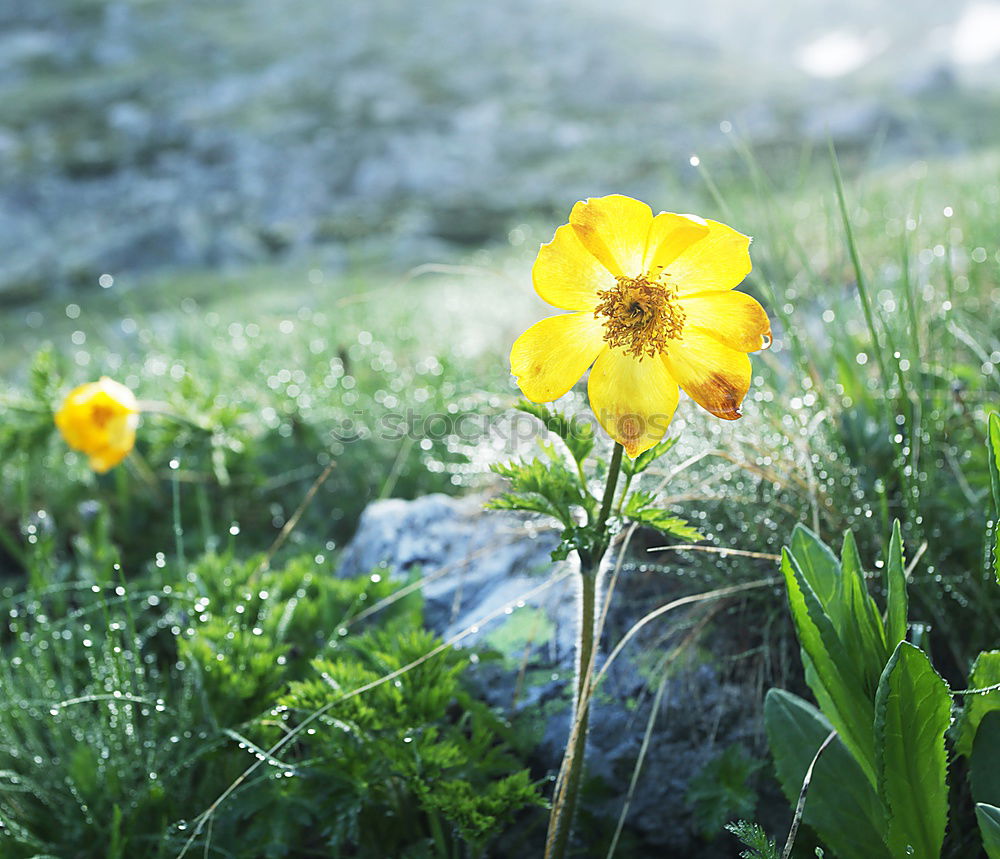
(150, 136)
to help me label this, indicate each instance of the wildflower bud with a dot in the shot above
(99, 419)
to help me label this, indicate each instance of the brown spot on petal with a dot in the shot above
(724, 399)
(630, 428)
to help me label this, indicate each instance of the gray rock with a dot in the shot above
(475, 562)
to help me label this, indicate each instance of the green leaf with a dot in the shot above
(984, 772)
(832, 673)
(861, 627)
(639, 507)
(841, 591)
(527, 503)
(724, 787)
(818, 564)
(841, 804)
(985, 672)
(577, 434)
(631, 467)
(912, 712)
(542, 487)
(759, 845)
(665, 523)
(989, 825)
(895, 583)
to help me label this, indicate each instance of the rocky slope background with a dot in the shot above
(144, 135)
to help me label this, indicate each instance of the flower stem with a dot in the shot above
(567, 789)
(609, 494)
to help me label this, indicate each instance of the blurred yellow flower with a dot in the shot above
(653, 308)
(99, 419)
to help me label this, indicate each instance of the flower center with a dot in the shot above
(101, 415)
(641, 315)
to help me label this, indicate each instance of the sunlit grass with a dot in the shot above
(851, 423)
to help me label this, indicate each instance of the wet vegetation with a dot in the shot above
(181, 669)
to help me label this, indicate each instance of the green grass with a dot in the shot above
(256, 381)
(855, 418)
(136, 719)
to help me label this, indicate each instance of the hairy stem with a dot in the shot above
(568, 786)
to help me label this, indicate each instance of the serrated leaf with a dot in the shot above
(860, 627)
(897, 604)
(985, 673)
(638, 500)
(834, 678)
(525, 503)
(912, 712)
(544, 487)
(666, 523)
(639, 507)
(631, 467)
(841, 804)
(989, 825)
(984, 770)
(578, 435)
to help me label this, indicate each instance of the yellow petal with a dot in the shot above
(553, 354)
(720, 260)
(567, 275)
(614, 229)
(634, 400)
(715, 376)
(669, 236)
(734, 318)
(104, 460)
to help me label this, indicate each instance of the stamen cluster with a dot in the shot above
(641, 315)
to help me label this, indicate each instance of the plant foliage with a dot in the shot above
(884, 778)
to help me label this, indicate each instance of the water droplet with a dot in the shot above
(765, 341)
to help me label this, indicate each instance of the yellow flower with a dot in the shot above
(99, 419)
(654, 308)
